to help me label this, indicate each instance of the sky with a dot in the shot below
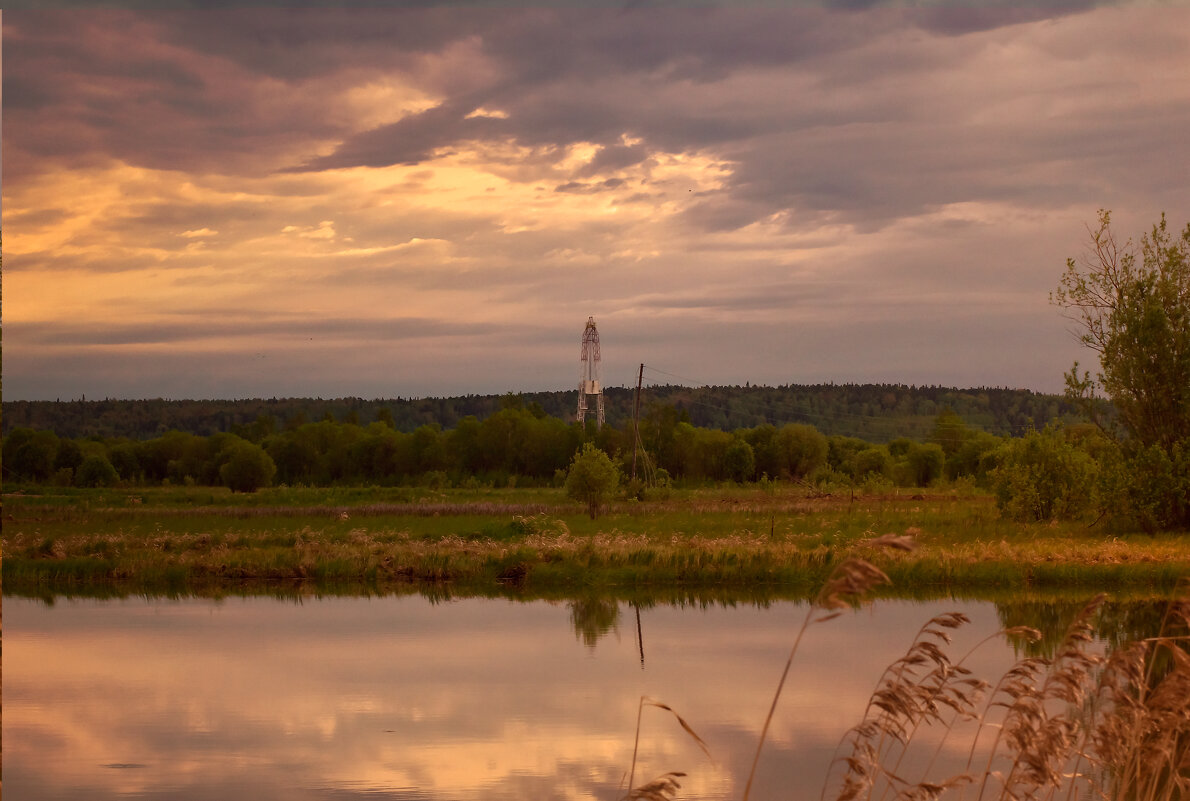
(366, 201)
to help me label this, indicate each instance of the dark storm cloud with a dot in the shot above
(74, 90)
(89, 86)
(871, 156)
(411, 140)
(716, 167)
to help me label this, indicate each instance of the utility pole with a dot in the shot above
(636, 420)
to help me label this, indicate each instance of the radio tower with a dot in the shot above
(588, 383)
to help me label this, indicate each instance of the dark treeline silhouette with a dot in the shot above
(517, 445)
(873, 412)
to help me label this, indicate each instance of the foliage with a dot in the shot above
(799, 451)
(739, 462)
(1133, 309)
(520, 445)
(873, 412)
(95, 471)
(1156, 488)
(29, 455)
(592, 479)
(246, 467)
(922, 465)
(871, 461)
(698, 538)
(1043, 476)
(1136, 316)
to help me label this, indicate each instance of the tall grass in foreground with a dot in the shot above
(1075, 726)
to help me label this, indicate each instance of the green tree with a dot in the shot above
(1132, 307)
(247, 467)
(801, 450)
(95, 471)
(873, 460)
(29, 454)
(592, 479)
(739, 462)
(1136, 316)
(924, 463)
(69, 455)
(122, 456)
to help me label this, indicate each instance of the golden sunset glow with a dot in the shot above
(349, 694)
(403, 202)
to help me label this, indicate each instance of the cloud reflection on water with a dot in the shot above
(399, 698)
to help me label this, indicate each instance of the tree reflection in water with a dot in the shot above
(592, 618)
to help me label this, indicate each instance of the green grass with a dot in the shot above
(535, 539)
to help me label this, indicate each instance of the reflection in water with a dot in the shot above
(401, 698)
(594, 617)
(1116, 623)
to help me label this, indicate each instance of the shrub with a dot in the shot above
(920, 465)
(1042, 476)
(739, 462)
(1157, 487)
(872, 461)
(592, 479)
(29, 455)
(801, 450)
(96, 471)
(246, 468)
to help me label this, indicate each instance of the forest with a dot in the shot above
(875, 412)
(1128, 459)
(519, 444)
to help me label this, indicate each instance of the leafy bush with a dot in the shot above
(801, 449)
(920, 466)
(1157, 492)
(592, 479)
(29, 455)
(247, 467)
(1043, 476)
(96, 471)
(739, 462)
(871, 461)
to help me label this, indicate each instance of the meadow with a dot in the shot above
(783, 537)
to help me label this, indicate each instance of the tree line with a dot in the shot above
(874, 412)
(520, 444)
(1130, 461)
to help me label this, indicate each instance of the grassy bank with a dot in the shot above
(480, 540)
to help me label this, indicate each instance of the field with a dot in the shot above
(777, 540)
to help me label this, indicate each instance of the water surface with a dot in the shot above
(406, 698)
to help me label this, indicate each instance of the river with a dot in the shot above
(406, 697)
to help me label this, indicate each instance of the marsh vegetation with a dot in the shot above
(540, 539)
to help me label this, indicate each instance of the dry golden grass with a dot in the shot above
(1076, 725)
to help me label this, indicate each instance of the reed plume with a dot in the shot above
(848, 584)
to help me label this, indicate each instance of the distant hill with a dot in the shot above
(873, 412)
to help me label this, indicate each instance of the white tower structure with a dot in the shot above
(588, 383)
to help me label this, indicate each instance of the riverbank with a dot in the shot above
(785, 539)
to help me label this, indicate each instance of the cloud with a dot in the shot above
(818, 164)
(469, 699)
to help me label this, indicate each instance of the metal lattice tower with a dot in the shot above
(588, 383)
